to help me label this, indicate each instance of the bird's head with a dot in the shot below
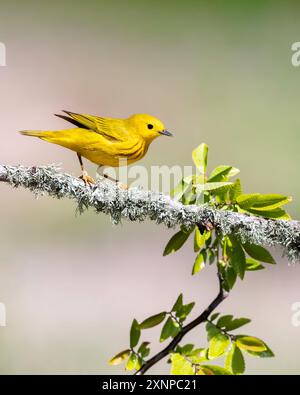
(147, 126)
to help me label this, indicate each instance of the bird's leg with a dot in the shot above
(121, 185)
(84, 176)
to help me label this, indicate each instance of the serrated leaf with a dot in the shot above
(180, 366)
(236, 190)
(259, 253)
(170, 329)
(218, 345)
(135, 333)
(153, 320)
(199, 156)
(270, 202)
(199, 262)
(176, 242)
(120, 357)
(250, 343)
(245, 201)
(238, 258)
(235, 362)
(253, 265)
(132, 361)
(214, 370)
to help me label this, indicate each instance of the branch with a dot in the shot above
(136, 204)
(177, 339)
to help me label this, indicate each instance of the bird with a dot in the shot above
(104, 141)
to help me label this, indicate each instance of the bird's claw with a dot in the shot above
(88, 180)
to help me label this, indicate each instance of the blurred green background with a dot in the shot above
(218, 72)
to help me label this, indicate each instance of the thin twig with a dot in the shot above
(222, 295)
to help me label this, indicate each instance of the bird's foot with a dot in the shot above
(88, 180)
(120, 184)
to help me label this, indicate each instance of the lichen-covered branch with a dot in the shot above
(136, 204)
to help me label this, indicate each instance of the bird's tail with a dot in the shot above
(38, 133)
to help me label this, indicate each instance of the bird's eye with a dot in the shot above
(150, 126)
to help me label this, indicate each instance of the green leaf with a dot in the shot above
(199, 239)
(277, 213)
(187, 309)
(236, 190)
(180, 366)
(253, 264)
(187, 349)
(235, 362)
(250, 343)
(238, 258)
(236, 323)
(213, 370)
(144, 350)
(132, 361)
(199, 355)
(214, 316)
(199, 262)
(270, 202)
(224, 320)
(153, 320)
(245, 201)
(212, 331)
(139, 363)
(259, 253)
(220, 173)
(181, 188)
(230, 277)
(267, 353)
(176, 242)
(213, 186)
(218, 345)
(170, 329)
(178, 304)
(199, 156)
(228, 323)
(135, 333)
(120, 357)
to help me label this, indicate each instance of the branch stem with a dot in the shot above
(137, 204)
(222, 295)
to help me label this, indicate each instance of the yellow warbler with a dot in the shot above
(105, 141)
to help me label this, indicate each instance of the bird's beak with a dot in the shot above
(166, 133)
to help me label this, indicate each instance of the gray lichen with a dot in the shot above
(136, 204)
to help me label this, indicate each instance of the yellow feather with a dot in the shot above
(105, 140)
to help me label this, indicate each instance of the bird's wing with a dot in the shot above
(111, 129)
